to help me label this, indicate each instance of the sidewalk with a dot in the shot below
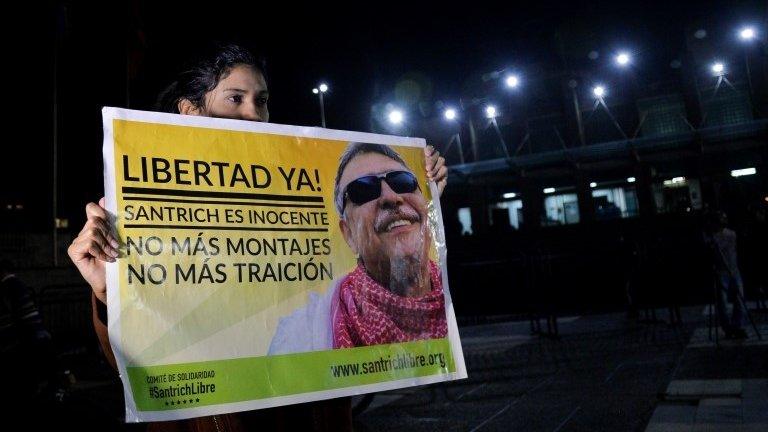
(604, 373)
(718, 388)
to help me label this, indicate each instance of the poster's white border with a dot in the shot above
(251, 126)
(109, 114)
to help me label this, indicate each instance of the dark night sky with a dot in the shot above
(362, 51)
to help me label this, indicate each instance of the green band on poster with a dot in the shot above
(189, 385)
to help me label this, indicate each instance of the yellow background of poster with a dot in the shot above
(170, 322)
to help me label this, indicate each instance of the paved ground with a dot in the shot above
(605, 373)
(720, 385)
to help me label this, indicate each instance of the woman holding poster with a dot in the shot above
(230, 83)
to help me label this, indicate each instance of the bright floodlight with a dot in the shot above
(599, 91)
(315, 90)
(743, 172)
(549, 190)
(718, 68)
(747, 33)
(450, 114)
(622, 59)
(593, 185)
(674, 181)
(323, 88)
(509, 195)
(512, 81)
(396, 117)
(630, 179)
(490, 111)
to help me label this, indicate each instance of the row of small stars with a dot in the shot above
(183, 401)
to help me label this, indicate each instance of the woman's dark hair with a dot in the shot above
(204, 74)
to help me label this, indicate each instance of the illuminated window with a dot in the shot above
(614, 203)
(561, 209)
(513, 216)
(465, 218)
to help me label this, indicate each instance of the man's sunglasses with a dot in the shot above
(368, 188)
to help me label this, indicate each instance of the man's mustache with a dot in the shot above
(387, 216)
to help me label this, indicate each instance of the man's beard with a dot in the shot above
(406, 272)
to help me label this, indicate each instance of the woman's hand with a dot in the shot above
(94, 246)
(436, 169)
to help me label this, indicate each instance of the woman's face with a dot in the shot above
(242, 95)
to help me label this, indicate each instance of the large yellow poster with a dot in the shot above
(263, 265)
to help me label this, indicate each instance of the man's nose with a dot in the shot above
(388, 196)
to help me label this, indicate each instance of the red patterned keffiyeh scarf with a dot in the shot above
(366, 313)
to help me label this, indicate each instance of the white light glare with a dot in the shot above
(599, 91)
(718, 68)
(593, 185)
(674, 181)
(395, 117)
(743, 172)
(323, 88)
(747, 33)
(490, 111)
(509, 195)
(512, 81)
(622, 59)
(630, 179)
(315, 90)
(450, 114)
(549, 190)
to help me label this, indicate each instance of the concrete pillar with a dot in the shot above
(584, 194)
(533, 203)
(644, 189)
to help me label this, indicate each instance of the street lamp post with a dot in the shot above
(491, 114)
(599, 92)
(396, 117)
(512, 81)
(623, 59)
(450, 115)
(572, 84)
(320, 90)
(749, 35)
